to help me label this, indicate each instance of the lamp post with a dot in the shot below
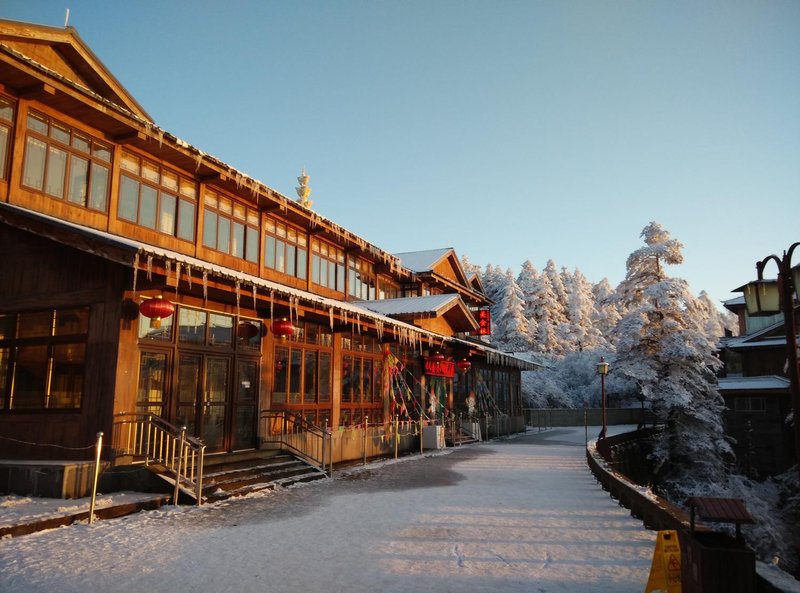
(769, 297)
(602, 370)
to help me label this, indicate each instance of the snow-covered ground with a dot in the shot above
(523, 514)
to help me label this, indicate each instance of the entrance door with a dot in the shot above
(204, 398)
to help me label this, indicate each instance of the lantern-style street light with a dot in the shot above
(770, 297)
(602, 370)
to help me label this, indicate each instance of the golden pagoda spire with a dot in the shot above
(304, 191)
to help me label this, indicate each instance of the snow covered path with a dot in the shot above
(521, 515)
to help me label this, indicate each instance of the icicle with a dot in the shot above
(330, 316)
(167, 268)
(198, 159)
(189, 274)
(135, 271)
(238, 290)
(160, 137)
(177, 276)
(358, 323)
(205, 286)
(149, 267)
(271, 304)
(255, 296)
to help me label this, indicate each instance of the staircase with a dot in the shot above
(236, 474)
(458, 434)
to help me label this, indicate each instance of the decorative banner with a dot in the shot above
(484, 322)
(440, 368)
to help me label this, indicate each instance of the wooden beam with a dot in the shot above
(130, 137)
(37, 91)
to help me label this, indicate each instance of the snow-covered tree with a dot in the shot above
(510, 328)
(527, 280)
(607, 313)
(581, 312)
(663, 346)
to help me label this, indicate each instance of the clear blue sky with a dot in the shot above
(509, 130)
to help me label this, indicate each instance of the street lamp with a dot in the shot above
(770, 297)
(602, 370)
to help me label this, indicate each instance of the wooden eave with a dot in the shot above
(478, 298)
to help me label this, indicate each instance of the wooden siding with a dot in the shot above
(39, 273)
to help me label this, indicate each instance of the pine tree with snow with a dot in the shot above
(510, 322)
(581, 311)
(527, 281)
(663, 346)
(607, 313)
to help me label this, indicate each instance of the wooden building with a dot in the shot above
(140, 275)
(756, 392)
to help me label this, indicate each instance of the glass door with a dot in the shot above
(215, 403)
(244, 415)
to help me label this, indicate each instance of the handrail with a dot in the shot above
(156, 440)
(293, 432)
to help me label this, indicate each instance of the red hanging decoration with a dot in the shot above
(464, 365)
(436, 357)
(282, 328)
(156, 309)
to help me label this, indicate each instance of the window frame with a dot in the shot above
(6, 123)
(161, 191)
(331, 259)
(72, 154)
(226, 217)
(290, 242)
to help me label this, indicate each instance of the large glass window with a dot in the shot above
(6, 123)
(361, 378)
(157, 198)
(230, 227)
(388, 289)
(42, 359)
(285, 249)
(360, 279)
(327, 265)
(64, 163)
(302, 373)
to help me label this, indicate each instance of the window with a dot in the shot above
(230, 227)
(285, 249)
(157, 198)
(361, 377)
(302, 373)
(42, 359)
(387, 289)
(6, 123)
(361, 279)
(65, 163)
(327, 265)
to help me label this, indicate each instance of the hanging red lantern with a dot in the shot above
(436, 357)
(282, 328)
(464, 365)
(156, 309)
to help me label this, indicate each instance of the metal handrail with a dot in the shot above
(293, 432)
(157, 441)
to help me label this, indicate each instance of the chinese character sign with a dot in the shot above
(484, 322)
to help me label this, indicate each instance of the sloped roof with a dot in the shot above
(423, 261)
(70, 58)
(412, 305)
(764, 383)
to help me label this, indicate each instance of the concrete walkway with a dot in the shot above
(523, 514)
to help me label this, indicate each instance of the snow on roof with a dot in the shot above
(753, 383)
(410, 305)
(354, 311)
(422, 261)
(734, 301)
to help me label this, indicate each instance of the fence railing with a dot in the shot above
(151, 439)
(291, 431)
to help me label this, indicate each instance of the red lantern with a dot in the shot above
(436, 357)
(156, 309)
(464, 365)
(282, 328)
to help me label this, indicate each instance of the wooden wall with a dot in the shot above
(37, 274)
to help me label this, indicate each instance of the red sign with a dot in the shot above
(440, 368)
(484, 322)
